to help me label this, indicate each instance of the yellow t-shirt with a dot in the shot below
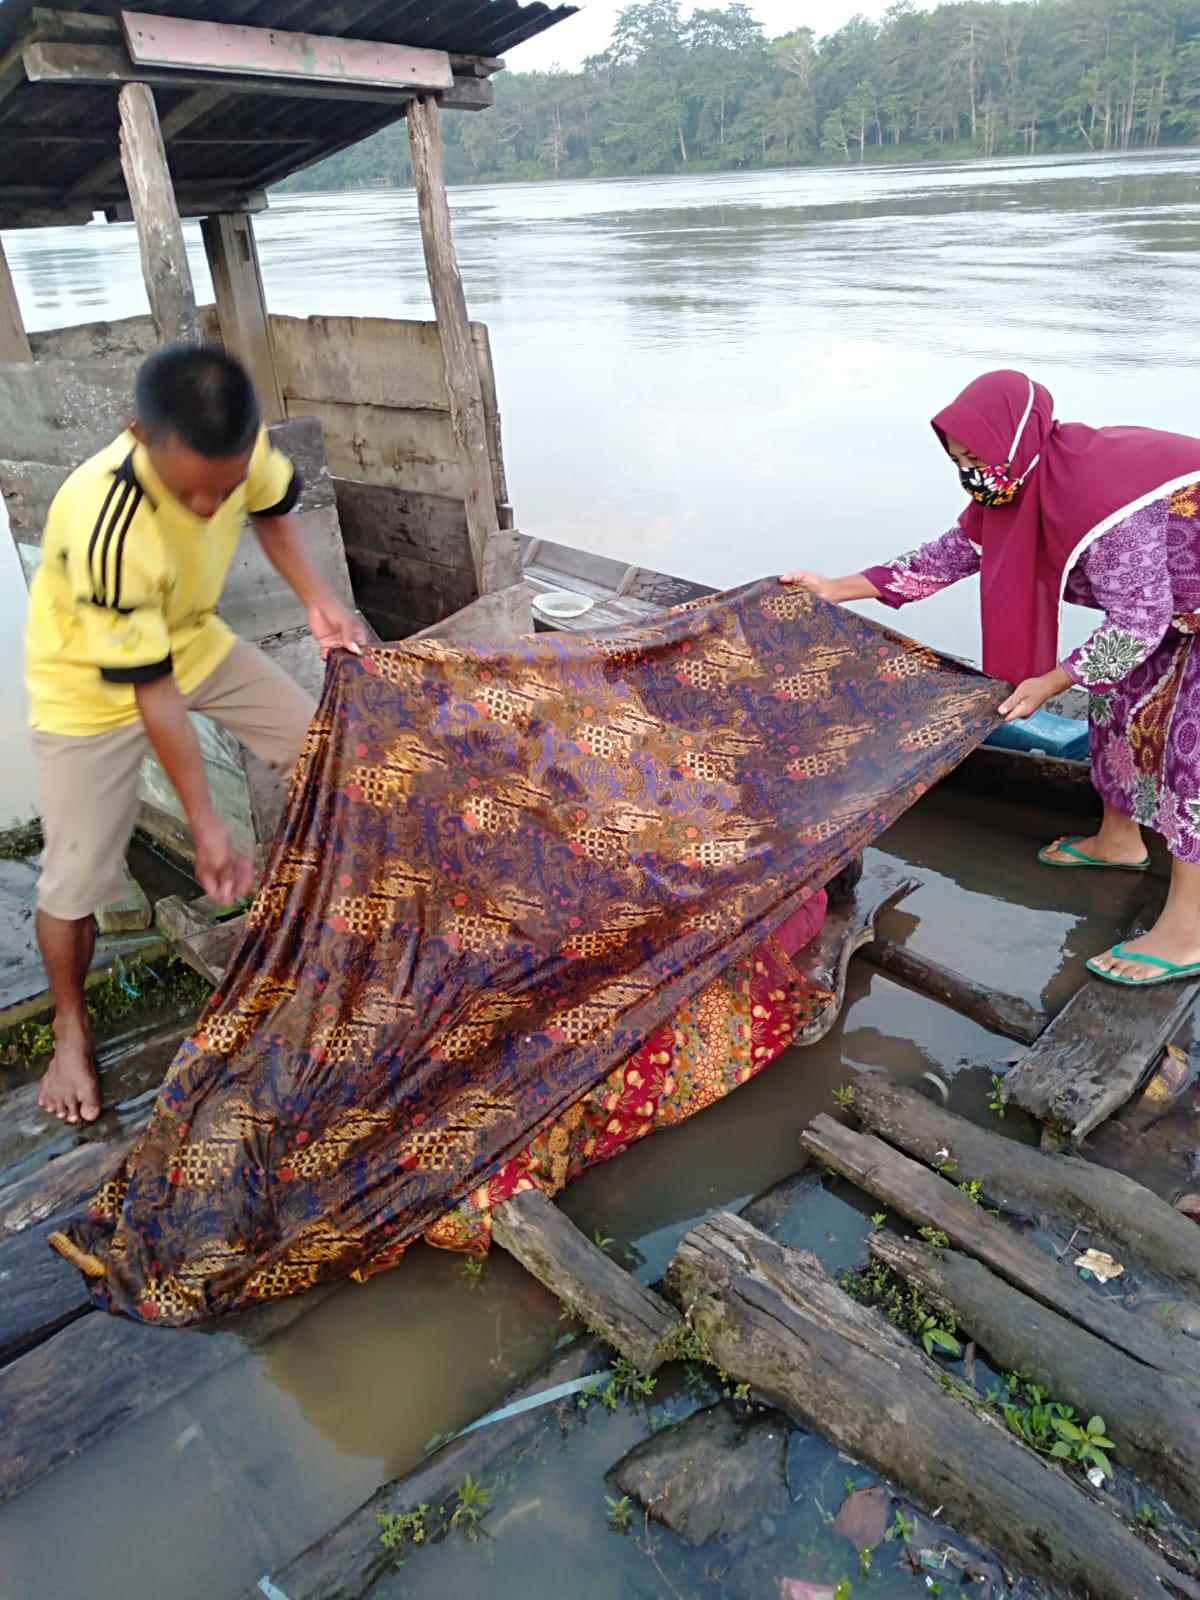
(128, 585)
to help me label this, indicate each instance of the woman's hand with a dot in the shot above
(837, 590)
(1032, 695)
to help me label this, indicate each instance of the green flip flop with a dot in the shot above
(1170, 972)
(1081, 859)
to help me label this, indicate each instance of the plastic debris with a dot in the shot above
(797, 1589)
(1100, 1264)
(864, 1516)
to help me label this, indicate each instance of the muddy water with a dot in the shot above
(202, 1497)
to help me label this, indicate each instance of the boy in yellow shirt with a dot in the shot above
(123, 640)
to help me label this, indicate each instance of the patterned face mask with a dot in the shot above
(995, 486)
(990, 486)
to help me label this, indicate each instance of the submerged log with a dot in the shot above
(348, 1561)
(999, 1013)
(774, 1319)
(610, 1301)
(1121, 1215)
(101, 1372)
(41, 1293)
(1099, 1049)
(1153, 1419)
(929, 1201)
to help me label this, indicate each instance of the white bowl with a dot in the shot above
(560, 605)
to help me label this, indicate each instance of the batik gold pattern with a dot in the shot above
(504, 873)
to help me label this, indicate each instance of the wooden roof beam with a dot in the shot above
(110, 64)
(233, 48)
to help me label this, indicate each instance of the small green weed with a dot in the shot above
(620, 1512)
(864, 1562)
(971, 1190)
(471, 1502)
(935, 1237)
(602, 1241)
(878, 1218)
(996, 1101)
(1148, 1517)
(1051, 1427)
(844, 1097)
(902, 1530)
(471, 1272)
(402, 1528)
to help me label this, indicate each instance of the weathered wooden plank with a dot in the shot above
(110, 64)
(127, 1071)
(638, 1323)
(1098, 1050)
(242, 304)
(14, 342)
(379, 361)
(101, 1372)
(63, 1184)
(382, 520)
(998, 1012)
(773, 1318)
(458, 351)
(393, 584)
(211, 951)
(69, 26)
(165, 267)
(39, 1293)
(1119, 1214)
(1154, 1420)
(412, 450)
(224, 47)
(496, 617)
(929, 1201)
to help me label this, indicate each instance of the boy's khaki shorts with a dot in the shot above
(88, 787)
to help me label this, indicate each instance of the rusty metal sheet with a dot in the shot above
(222, 47)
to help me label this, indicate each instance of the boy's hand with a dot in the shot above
(335, 628)
(224, 875)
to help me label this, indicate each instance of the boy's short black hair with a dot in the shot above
(202, 396)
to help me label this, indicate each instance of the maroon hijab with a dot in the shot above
(1078, 482)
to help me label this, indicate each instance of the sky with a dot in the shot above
(567, 43)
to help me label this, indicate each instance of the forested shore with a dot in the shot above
(709, 92)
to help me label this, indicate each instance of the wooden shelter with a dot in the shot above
(192, 109)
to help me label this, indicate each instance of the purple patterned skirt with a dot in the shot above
(1145, 739)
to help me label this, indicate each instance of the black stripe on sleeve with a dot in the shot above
(288, 503)
(98, 577)
(135, 675)
(135, 500)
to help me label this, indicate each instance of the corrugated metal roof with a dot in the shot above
(59, 142)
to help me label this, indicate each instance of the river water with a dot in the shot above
(719, 377)
(725, 376)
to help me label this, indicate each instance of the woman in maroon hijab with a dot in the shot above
(1101, 517)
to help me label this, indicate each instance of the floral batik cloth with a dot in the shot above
(502, 871)
(1139, 665)
(712, 1045)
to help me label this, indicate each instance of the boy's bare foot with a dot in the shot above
(70, 1089)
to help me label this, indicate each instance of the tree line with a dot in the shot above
(710, 92)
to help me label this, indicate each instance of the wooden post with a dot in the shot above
(454, 329)
(160, 233)
(14, 345)
(242, 304)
